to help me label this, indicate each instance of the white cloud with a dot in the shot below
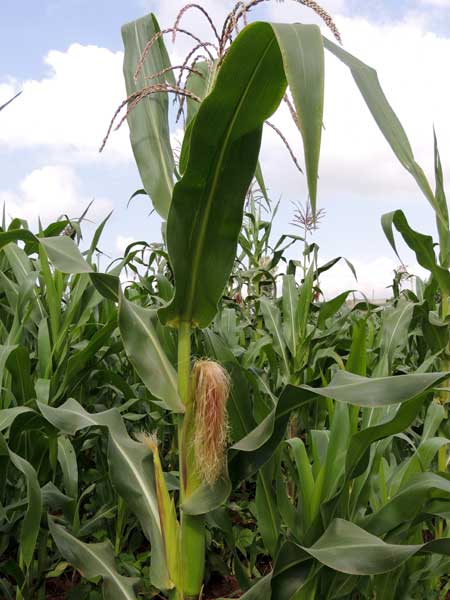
(122, 242)
(439, 3)
(356, 160)
(49, 193)
(374, 277)
(69, 110)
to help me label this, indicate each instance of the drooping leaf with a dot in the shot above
(32, 517)
(303, 58)
(94, 560)
(347, 548)
(149, 121)
(131, 470)
(367, 81)
(145, 352)
(422, 245)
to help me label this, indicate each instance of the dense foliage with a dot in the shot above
(115, 480)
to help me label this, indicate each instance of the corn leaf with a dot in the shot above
(303, 58)
(94, 560)
(347, 548)
(366, 79)
(207, 205)
(148, 121)
(146, 354)
(131, 471)
(422, 245)
(32, 517)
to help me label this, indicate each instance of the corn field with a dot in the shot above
(195, 421)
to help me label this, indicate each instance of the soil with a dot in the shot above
(222, 587)
(218, 587)
(59, 588)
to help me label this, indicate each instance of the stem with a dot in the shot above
(442, 398)
(192, 537)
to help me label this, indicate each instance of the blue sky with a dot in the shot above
(65, 54)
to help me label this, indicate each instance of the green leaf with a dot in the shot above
(207, 498)
(422, 245)
(367, 81)
(266, 509)
(148, 121)
(7, 415)
(290, 321)
(258, 446)
(207, 206)
(394, 335)
(303, 57)
(272, 319)
(200, 85)
(377, 391)
(32, 517)
(347, 548)
(408, 502)
(443, 222)
(68, 462)
(146, 354)
(330, 308)
(94, 560)
(79, 361)
(261, 590)
(131, 470)
(65, 255)
(357, 358)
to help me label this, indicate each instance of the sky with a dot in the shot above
(66, 56)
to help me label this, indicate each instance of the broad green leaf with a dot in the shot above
(367, 81)
(149, 121)
(200, 84)
(32, 518)
(68, 462)
(330, 308)
(377, 391)
(290, 575)
(78, 361)
(65, 255)
(357, 358)
(407, 503)
(146, 354)
(306, 488)
(261, 590)
(207, 206)
(266, 509)
(304, 300)
(240, 408)
(358, 452)
(94, 560)
(207, 498)
(15, 235)
(167, 516)
(7, 415)
(422, 245)
(303, 57)
(347, 548)
(443, 222)
(394, 335)
(272, 319)
(131, 470)
(258, 446)
(290, 321)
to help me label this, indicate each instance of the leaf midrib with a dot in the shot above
(203, 226)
